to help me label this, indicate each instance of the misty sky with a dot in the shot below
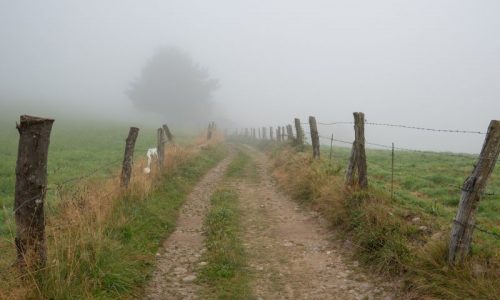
(424, 63)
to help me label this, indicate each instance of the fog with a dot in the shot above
(423, 63)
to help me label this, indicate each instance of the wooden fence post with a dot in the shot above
(278, 134)
(128, 157)
(473, 187)
(209, 131)
(289, 132)
(30, 190)
(169, 135)
(357, 162)
(331, 148)
(299, 132)
(160, 147)
(314, 136)
(271, 133)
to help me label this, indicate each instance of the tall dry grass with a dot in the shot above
(76, 229)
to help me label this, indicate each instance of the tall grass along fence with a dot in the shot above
(356, 175)
(31, 183)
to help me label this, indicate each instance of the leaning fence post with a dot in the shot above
(160, 147)
(299, 132)
(314, 136)
(357, 162)
(128, 156)
(169, 135)
(30, 190)
(473, 187)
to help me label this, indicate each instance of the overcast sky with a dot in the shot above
(424, 63)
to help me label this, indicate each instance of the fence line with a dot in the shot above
(474, 185)
(34, 137)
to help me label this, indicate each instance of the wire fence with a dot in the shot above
(469, 158)
(104, 167)
(57, 186)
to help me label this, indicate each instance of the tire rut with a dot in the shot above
(291, 251)
(176, 266)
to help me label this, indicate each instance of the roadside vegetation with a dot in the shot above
(226, 275)
(101, 239)
(405, 236)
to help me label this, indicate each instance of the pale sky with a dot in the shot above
(423, 63)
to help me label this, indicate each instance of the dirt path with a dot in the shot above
(174, 277)
(290, 251)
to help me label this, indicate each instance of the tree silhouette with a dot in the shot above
(172, 85)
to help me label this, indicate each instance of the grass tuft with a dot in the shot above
(225, 276)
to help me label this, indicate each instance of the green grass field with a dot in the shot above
(429, 183)
(112, 257)
(76, 150)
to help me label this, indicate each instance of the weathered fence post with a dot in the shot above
(30, 190)
(357, 162)
(278, 134)
(289, 132)
(128, 157)
(314, 136)
(392, 172)
(300, 134)
(168, 134)
(160, 147)
(331, 148)
(209, 131)
(271, 133)
(473, 187)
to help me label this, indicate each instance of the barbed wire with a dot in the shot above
(335, 123)
(329, 138)
(93, 172)
(424, 128)
(82, 177)
(406, 127)
(492, 233)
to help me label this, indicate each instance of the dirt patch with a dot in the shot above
(178, 259)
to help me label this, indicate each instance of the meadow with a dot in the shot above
(76, 150)
(101, 239)
(429, 183)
